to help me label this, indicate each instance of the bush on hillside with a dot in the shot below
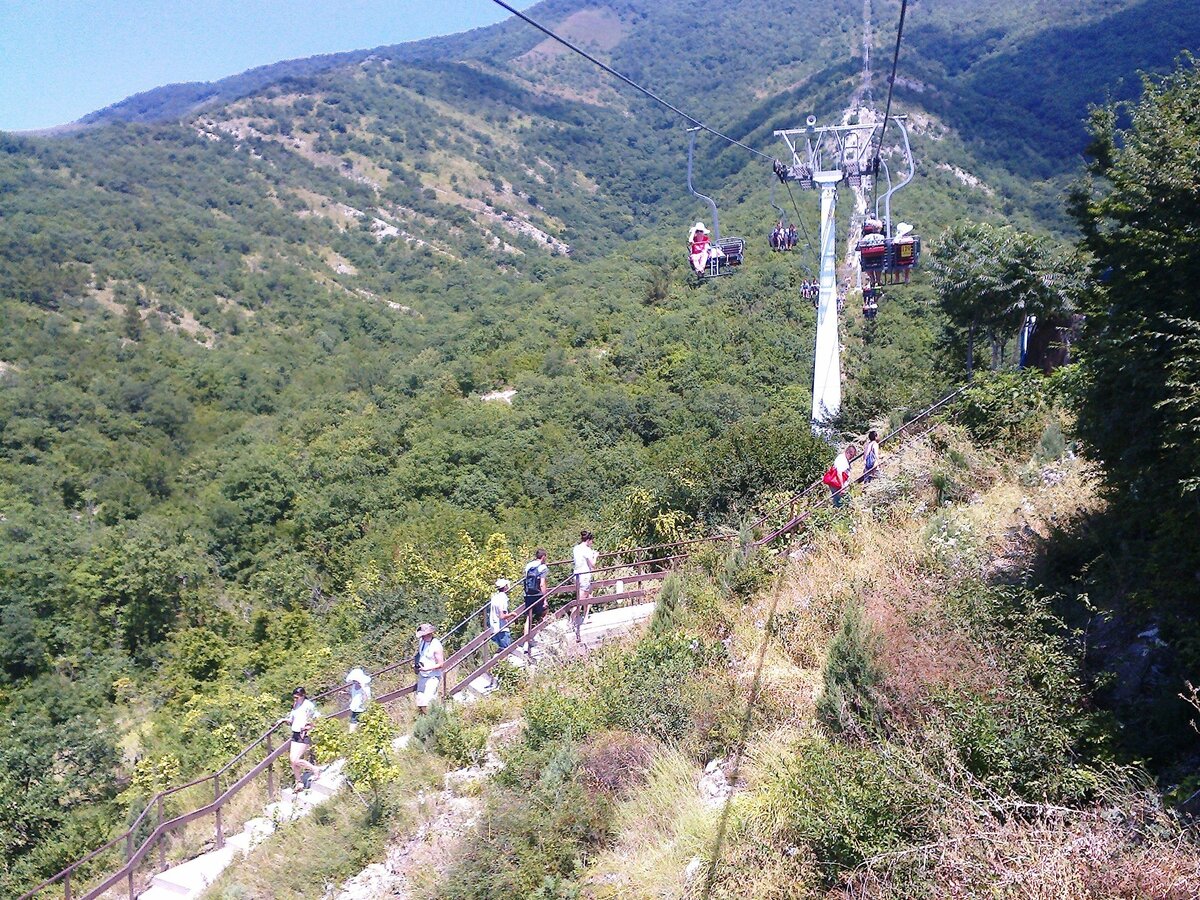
(848, 701)
(845, 803)
(1005, 408)
(443, 731)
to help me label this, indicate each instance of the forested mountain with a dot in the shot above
(250, 335)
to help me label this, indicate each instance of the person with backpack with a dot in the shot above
(871, 457)
(837, 476)
(534, 583)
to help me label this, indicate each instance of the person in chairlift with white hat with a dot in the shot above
(700, 248)
(902, 253)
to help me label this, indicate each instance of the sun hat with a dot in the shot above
(425, 629)
(502, 584)
(357, 674)
(902, 229)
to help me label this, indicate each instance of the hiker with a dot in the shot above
(837, 476)
(871, 457)
(360, 694)
(498, 615)
(534, 582)
(428, 662)
(301, 718)
(584, 558)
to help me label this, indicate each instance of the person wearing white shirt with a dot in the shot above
(498, 616)
(360, 694)
(430, 658)
(301, 718)
(585, 558)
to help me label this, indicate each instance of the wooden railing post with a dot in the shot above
(67, 886)
(162, 838)
(220, 830)
(270, 768)
(128, 859)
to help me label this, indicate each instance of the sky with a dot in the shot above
(61, 59)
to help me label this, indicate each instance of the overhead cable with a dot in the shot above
(891, 86)
(629, 81)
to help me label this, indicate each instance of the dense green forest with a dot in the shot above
(247, 344)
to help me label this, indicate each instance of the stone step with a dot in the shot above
(189, 879)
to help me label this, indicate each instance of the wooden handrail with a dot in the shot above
(456, 660)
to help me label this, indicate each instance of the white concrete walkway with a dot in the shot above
(189, 879)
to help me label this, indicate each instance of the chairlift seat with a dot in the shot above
(904, 254)
(873, 255)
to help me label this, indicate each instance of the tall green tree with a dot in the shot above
(988, 278)
(1137, 208)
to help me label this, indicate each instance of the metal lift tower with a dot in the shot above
(825, 157)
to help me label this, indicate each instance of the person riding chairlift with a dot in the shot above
(700, 249)
(903, 253)
(872, 250)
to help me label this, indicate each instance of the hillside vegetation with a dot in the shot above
(251, 350)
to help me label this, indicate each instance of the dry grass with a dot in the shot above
(1126, 847)
(662, 826)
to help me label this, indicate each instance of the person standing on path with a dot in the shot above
(837, 476)
(498, 615)
(360, 694)
(428, 662)
(871, 457)
(584, 557)
(301, 718)
(534, 583)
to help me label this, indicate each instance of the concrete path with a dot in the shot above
(189, 879)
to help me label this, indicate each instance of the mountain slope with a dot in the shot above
(243, 356)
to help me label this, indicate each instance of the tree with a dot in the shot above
(1137, 210)
(988, 278)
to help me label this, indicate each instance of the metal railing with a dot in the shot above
(649, 565)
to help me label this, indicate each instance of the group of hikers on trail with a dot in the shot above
(430, 658)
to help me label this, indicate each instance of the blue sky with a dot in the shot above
(61, 59)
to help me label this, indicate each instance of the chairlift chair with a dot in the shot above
(732, 250)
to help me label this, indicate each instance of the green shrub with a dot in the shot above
(845, 803)
(442, 731)
(553, 716)
(1005, 408)
(852, 674)
(538, 830)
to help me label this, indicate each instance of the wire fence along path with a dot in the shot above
(622, 576)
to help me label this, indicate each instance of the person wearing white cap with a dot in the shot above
(360, 693)
(700, 249)
(903, 256)
(498, 615)
(428, 662)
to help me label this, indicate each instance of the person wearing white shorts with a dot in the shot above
(430, 658)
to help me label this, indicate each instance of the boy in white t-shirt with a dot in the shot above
(585, 558)
(498, 616)
(301, 717)
(430, 658)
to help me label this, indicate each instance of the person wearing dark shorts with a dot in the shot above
(534, 583)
